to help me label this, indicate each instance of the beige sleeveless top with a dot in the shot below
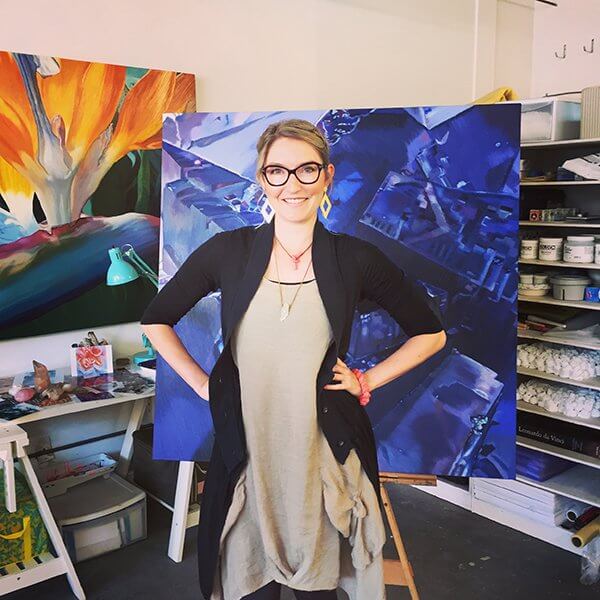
(297, 516)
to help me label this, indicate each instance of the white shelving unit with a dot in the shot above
(562, 143)
(581, 459)
(561, 224)
(555, 302)
(553, 338)
(582, 482)
(591, 384)
(557, 183)
(577, 483)
(538, 410)
(558, 263)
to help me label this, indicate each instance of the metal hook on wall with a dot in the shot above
(591, 50)
(564, 52)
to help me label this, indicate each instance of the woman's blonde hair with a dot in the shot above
(298, 129)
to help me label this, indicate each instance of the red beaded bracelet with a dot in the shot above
(365, 394)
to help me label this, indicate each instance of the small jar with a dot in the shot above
(550, 249)
(540, 278)
(579, 249)
(529, 249)
(526, 278)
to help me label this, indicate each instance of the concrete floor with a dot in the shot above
(455, 555)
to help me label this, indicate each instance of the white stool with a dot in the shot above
(13, 440)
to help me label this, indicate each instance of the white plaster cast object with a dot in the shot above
(569, 363)
(584, 404)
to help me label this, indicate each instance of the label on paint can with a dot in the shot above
(550, 248)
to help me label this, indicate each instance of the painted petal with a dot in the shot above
(101, 92)
(182, 100)
(17, 193)
(11, 182)
(184, 95)
(90, 173)
(86, 96)
(141, 115)
(60, 92)
(15, 138)
(15, 108)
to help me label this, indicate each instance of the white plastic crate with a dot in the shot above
(100, 516)
(548, 120)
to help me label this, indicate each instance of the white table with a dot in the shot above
(9, 449)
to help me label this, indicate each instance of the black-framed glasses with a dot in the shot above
(306, 173)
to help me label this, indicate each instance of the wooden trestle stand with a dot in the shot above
(399, 572)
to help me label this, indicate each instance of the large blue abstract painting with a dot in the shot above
(436, 189)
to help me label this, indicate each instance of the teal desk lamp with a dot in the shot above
(123, 271)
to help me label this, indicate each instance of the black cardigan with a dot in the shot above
(348, 270)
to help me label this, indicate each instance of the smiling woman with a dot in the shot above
(292, 495)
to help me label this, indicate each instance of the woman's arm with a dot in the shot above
(387, 285)
(196, 278)
(412, 353)
(169, 346)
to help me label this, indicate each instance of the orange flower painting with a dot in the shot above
(79, 173)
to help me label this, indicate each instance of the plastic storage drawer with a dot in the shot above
(99, 516)
(99, 536)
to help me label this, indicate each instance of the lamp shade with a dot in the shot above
(120, 271)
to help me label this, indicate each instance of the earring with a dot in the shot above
(267, 211)
(325, 205)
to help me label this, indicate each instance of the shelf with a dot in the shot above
(552, 339)
(69, 408)
(582, 459)
(579, 483)
(559, 224)
(590, 384)
(538, 410)
(558, 263)
(24, 573)
(558, 183)
(562, 143)
(554, 302)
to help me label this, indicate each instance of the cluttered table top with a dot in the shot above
(46, 393)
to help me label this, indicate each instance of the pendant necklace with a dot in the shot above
(285, 306)
(295, 257)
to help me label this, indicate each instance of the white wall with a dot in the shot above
(514, 45)
(271, 54)
(264, 54)
(574, 23)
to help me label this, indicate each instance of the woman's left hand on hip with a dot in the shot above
(344, 379)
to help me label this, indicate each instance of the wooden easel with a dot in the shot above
(399, 572)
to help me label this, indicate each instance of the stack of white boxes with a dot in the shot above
(523, 499)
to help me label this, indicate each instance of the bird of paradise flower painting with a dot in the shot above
(79, 173)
